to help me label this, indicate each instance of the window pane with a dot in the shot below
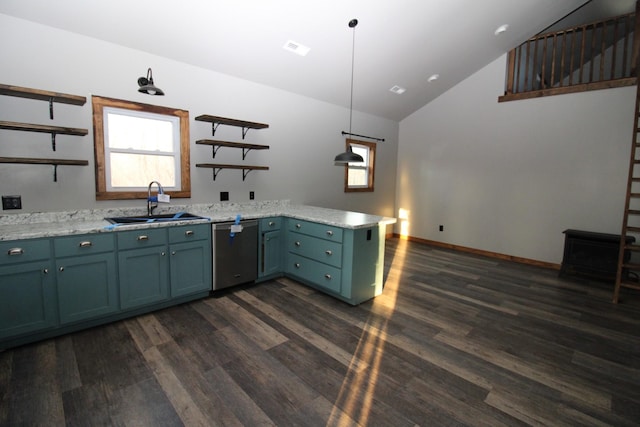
(357, 177)
(362, 151)
(139, 132)
(138, 170)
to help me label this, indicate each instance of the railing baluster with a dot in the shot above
(603, 50)
(625, 58)
(571, 55)
(612, 72)
(526, 69)
(582, 43)
(519, 62)
(510, 70)
(591, 52)
(535, 63)
(563, 52)
(553, 61)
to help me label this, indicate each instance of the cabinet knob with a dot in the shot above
(271, 223)
(61, 269)
(85, 244)
(327, 276)
(45, 271)
(162, 253)
(329, 233)
(297, 243)
(143, 237)
(173, 252)
(15, 251)
(188, 233)
(296, 265)
(328, 252)
(298, 225)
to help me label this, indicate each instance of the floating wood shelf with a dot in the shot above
(218, 167)
(245, 147)
(54, 162)
(42, 95)
(217, 121)
(53, 130)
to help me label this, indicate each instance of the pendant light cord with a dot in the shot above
(353, 54)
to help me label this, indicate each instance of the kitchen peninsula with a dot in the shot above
(66, 271)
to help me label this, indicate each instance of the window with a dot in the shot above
(358, 176)
(139, 143)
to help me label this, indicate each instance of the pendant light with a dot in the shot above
(349, 156)
(147, 86)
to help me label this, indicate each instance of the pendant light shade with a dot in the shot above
(147, 86)
(349, 155)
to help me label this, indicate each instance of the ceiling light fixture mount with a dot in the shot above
(147, 86)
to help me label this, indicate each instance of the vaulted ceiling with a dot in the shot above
(400, 42)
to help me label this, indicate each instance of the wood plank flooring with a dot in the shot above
(456, 339)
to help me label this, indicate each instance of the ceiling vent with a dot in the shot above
(398, 90)
(296, 48)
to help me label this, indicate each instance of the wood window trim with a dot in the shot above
(371, 170)
(98, 104)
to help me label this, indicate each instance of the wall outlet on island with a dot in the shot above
(224, 196)
(11, 202)
(441, 228)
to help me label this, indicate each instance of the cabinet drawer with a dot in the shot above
(189, 233)
(315, 272)
(84, 244)
(142, 238)
(315, 229)
(16, 251)
(272, 223)
(315, 248)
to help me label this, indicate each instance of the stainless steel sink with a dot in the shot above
(141, 219)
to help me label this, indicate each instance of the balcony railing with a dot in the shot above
(594, 56)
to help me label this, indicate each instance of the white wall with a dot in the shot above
(304, 134)
(510, 177)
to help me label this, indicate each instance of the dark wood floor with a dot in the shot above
(455, 339)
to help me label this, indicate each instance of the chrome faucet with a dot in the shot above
(150, 205)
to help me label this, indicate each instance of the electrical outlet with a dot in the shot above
(441, 228)
(252, 195)
(11, 202)
(224, 196)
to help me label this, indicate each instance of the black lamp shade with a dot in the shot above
(348, 156)
(147, 86)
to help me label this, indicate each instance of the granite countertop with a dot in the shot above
(49, 224)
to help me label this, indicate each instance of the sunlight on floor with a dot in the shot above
(358, 388)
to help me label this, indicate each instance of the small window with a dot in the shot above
(358, 176)
(136, 144)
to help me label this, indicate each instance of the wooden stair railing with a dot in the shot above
(599, 55)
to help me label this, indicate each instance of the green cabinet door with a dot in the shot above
(144, 276)
(272, 253)
(190, 267)
(27, 298)
(87, 287)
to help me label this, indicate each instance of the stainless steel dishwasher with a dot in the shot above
(235, 253)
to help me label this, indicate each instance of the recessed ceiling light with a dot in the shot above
(501, 29)
(433, 78)
(296, 48)
(398, 90)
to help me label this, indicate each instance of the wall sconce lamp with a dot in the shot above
(147, 86)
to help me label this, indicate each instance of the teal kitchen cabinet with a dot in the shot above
(190, 259)
(343, 262)
(86, 276)
(271, 242)
(27, 288)
(143, 267)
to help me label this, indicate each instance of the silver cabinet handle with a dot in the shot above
(327, 276)
(271, 223)
(173, 252)
(162, 253)
(298, 225)
(328, 252)
(188, 233)
(85, 244)
(329, 233)
(143, 237)
(15, 251)
(45, 271)
(61, 269)
(297, 243)
(296, 265)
